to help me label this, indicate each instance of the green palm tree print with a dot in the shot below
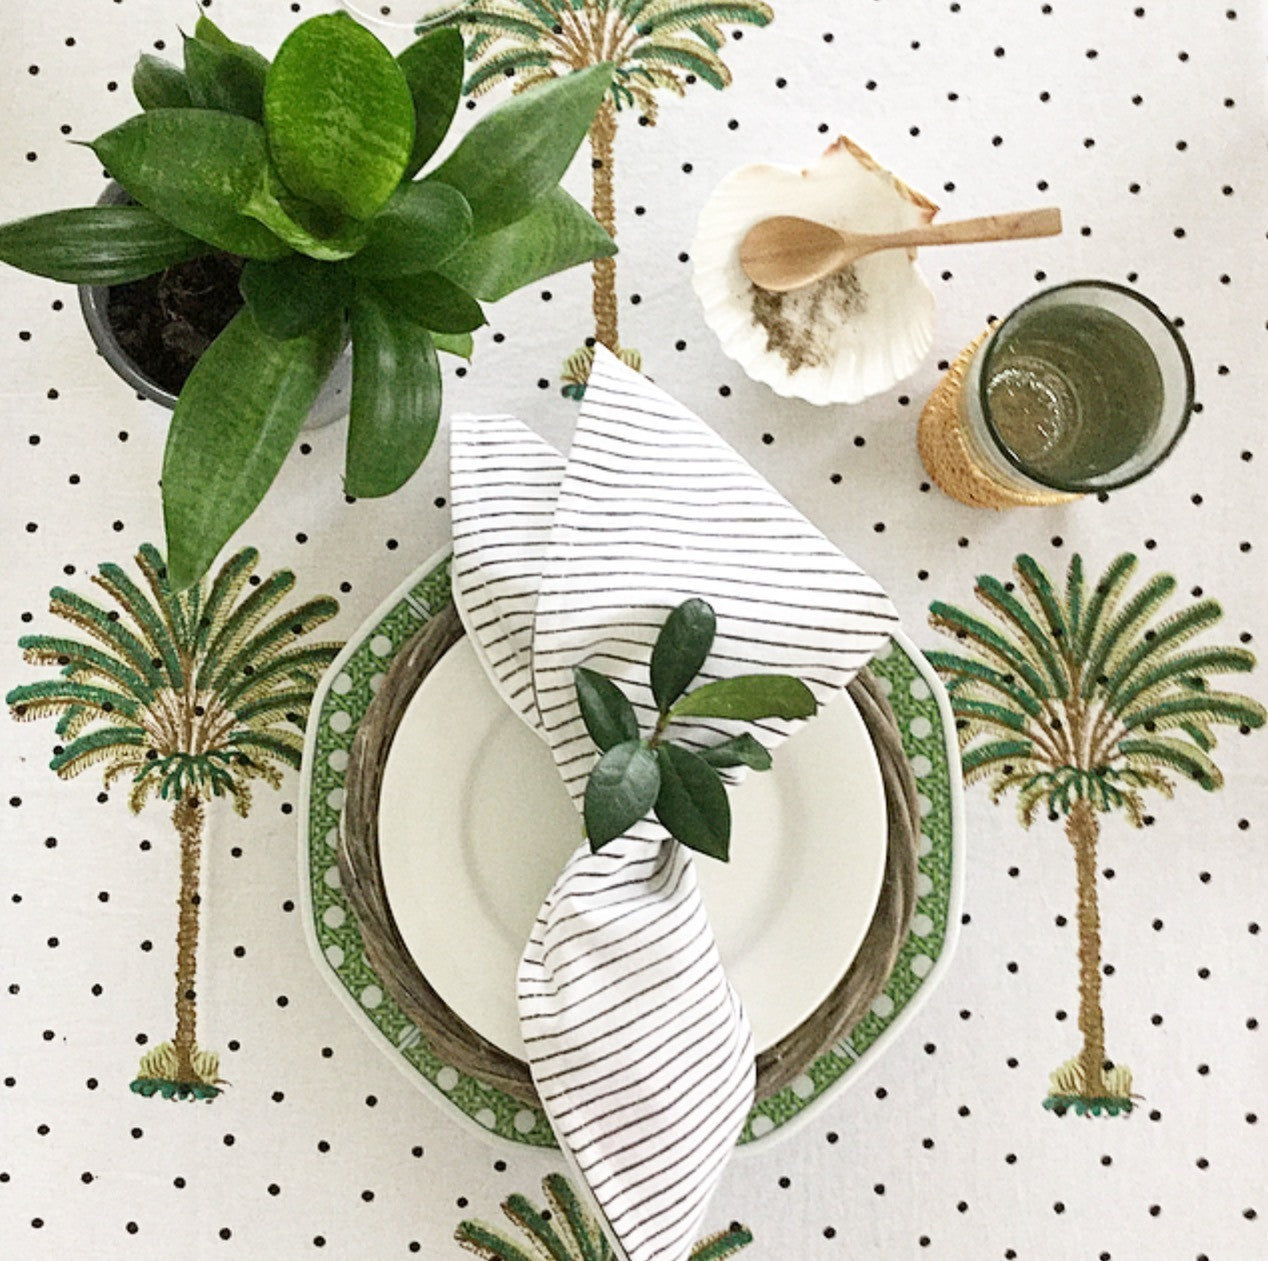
(1081, 702)
(653, 45)
(566, 1231)
(187, 696)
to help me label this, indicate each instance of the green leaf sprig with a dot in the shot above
(637, 774)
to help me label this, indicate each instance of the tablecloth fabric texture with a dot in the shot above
(1145, 123)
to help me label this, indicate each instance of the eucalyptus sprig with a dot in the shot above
(637, 774)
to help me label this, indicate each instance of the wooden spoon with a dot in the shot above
(788, 252)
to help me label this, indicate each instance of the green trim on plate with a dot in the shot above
(920, 724)
(346, 695)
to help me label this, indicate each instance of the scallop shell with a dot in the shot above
(844, 338)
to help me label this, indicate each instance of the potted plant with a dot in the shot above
(300, 180)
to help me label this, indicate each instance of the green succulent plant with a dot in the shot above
(308, 168)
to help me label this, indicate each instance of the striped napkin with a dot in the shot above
(638, 1045)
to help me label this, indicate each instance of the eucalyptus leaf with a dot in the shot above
(516, 154)
(681, 648)
(293, 295)
(396, 392)
(606, 710)
(554, 235)
(692, 802)
(158, 84)
(622, 788)
(741, 750)
(96, 245)
(339, 116)
(237, 417)
(460, 344)
(197, 169)
(223, 78)
(749, 698)
(310, 229)
(433, 68)
(419, 228)
(433, 301)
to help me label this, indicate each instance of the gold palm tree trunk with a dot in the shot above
(1083, 831)
(187, 818)
(602, 149)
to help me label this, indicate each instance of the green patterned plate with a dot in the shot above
(928, 732)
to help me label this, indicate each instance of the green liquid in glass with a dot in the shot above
(1074, 391)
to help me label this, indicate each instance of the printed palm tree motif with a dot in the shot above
(1081, 703)
(568, 1232)
(188, 696)
(654, 45)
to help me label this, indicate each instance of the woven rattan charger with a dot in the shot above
(460, 1045)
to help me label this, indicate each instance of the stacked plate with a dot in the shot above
(433, 823)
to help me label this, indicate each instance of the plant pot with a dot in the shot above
(94, 301)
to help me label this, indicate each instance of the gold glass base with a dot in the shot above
(949, 459)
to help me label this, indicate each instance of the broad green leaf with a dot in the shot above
(339, 116)
(224, 79)
(460, 344)
(206, 30)
(395, 398)
(692, 802)
(750, 698)
(554, 235)
(433, 68)
(235, 420)
(310, 229)
(293, 295)
(157, 84)
(96, 245)
(519, 152)
(196, 168)
(209, 33)
(681, 648)
(422, 225)
(622, 788)
(609, 717)
(741, 750)
(433, 301)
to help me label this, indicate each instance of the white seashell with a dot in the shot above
(853, 335)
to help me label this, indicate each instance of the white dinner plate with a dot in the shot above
(475, 825)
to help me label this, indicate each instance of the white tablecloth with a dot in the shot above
(1146, 125)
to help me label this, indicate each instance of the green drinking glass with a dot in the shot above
(1083, 388)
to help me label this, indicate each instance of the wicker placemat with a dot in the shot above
(948, 457)
(460, 1045)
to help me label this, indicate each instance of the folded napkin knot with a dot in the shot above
(637, 1043)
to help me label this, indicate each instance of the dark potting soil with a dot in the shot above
(164, 322)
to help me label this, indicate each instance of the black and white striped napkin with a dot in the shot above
(637, 1042)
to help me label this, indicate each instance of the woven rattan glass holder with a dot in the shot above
(460, 1045)
(947, 452)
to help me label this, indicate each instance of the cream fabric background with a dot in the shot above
(984, 105)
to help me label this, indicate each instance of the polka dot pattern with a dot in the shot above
(1144, 123)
